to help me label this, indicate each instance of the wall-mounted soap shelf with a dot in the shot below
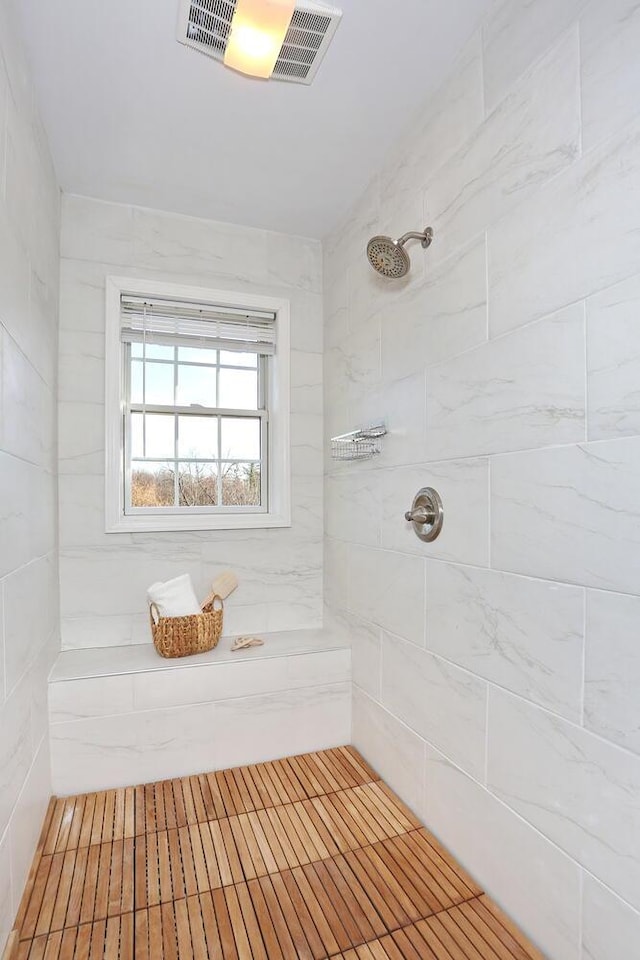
(359, 444)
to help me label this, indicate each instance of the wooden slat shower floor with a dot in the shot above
(309, 857)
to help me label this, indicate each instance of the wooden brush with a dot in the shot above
(222, 586)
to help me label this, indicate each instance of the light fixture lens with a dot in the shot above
(254, 44)
(257, 32)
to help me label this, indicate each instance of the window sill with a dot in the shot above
(255, 521)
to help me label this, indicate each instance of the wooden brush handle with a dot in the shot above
(222, 586)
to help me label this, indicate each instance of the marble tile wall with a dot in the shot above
(104, 576)
(497, 670)
(143, 719)
(150, 745)
(29, 631)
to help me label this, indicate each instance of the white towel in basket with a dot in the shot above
(175, 598)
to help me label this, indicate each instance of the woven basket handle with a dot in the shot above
(154, 614)
(211, 602)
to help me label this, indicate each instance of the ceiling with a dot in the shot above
(133, 116)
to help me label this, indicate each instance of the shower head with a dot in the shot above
(389, 258)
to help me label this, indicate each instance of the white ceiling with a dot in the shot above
(134, 116)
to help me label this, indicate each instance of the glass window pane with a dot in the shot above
(197, 355)
(241, 484)
(136, 381)
(233, 359)
(196, 385)
(240, 438)
(157, 351)
(137, 435)
(239, 389)
(198, 484)
(159, 383)
(198, 437)
(160, 436)
(152, 485)
(136, 350)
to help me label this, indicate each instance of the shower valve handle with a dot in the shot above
(426, 514)
(420, 515)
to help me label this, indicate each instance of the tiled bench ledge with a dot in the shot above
(123, 715)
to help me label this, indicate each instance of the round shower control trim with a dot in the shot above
(426, 514)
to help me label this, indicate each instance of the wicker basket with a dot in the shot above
(183, 636)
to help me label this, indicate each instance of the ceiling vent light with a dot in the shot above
(277, 39)
(257, 33)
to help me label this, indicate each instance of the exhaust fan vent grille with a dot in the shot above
(296, 54)
(300, 38)
(208, 24)
(291, 71)
(205, 25)
(310, 21)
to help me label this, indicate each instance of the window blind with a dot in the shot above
(173, 323)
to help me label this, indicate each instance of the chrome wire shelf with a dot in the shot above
(359, 444)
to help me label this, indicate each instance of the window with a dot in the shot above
(197, 409)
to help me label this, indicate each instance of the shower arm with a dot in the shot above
(425, 237)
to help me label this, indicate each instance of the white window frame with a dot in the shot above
(278, 512)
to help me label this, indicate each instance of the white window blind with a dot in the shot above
(175, 323)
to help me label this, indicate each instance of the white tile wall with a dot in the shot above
(26, 433)
(579, 790)
(235, 680)
(613, 361)
(611, 927)
(16, 750)
(612, 668)
(105, 751)
(441, 318)
(402, 404)
(388, 590)
(398, 751)
(545, 895)
(352, 508)
(298, 721)
(551, 235)
(516, 35)
(366, 655)
(507, 369)
(532, 135)
(569, 513)
(104, 577)
(20, 483)
(6, 904)
(522, 634)
(609, 34)
(525, 389)
(445, 705)
(28, 623)
(29, 636)
(26, 823)
(121, 716)
(456, 111)
(464, 485)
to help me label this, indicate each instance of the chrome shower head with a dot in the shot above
(389, 258)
